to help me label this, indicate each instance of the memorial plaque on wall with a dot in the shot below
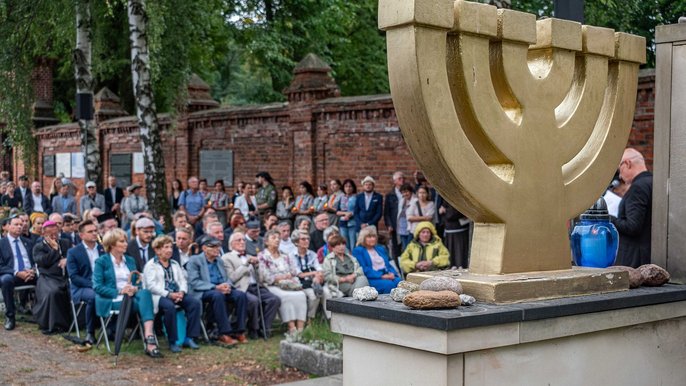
(49, 165)
(120, 167)
(217, 165)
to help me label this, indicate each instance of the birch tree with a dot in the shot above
(151, 143)
(84, 85)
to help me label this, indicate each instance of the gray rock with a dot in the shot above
(365, 293)
(467, 300)
(635, 277)
(441, 283)
(653, 275)
(398, 294)
(426, 300)
(307, 359)
(408, 285)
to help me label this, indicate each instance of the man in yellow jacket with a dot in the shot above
(425, 252)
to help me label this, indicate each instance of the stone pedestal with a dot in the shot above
(623, 338)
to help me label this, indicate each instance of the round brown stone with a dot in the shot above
(635, 277)
(426, 300)
(653, 275)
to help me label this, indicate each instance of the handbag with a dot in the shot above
(289, 285)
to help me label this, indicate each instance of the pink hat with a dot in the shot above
(49, 224)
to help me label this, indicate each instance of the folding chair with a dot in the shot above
(30, 288)
(103, 332)
(75, 312)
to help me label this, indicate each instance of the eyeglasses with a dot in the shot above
(91, 187)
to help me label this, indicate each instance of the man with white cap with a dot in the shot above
(92, 199)
(139, 247)
(369, 205)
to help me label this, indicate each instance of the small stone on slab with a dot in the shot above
(398, 294)
(467, 300)
(408, 285)
(653, 275)
(635, 277)
(365, 293)
(426, 300)
(441, 283)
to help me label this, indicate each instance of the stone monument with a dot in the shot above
(517, 123)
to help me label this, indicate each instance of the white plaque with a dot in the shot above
(138, 165)
(63, 164)
(77, 168)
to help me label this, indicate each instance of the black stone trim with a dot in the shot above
(483, 314)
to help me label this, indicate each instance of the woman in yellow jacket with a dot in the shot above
(425, 252)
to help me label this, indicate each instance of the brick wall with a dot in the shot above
(316, 136)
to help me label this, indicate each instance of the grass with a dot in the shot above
(319, 330)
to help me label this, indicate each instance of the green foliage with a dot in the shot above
(272, 37)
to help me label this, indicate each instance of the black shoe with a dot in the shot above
(10, 324)
(90, 339)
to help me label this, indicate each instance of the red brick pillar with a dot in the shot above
(312, 82)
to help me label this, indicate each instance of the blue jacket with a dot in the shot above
(79, 266)
(369, 216)
(7, 256)
(365, 261)
(57, 206)
(199, 275)
(105, 283)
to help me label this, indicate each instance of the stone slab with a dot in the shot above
(522, 287)
(483, 314)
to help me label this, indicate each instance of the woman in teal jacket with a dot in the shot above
(111, 281)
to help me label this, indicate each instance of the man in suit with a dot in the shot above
(69, 229)
(369, 205)
(16, 267)
(92, 199)
(23, 187)
(114, 195)
(243, 271)
(80, 263)
(390, 212)
(209, 282)
(634, 218)
(139, 247)
(184, 247)
(35, 200)
(63, 202)
(216, 230)
(253, 241)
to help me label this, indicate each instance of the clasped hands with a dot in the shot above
(26, 275)
(423, 265)
(347, 278)
(129, 290)
(176, 297)
(223, 288)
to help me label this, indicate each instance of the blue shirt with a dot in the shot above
(65, 203)
(216, 276)
(193, 202)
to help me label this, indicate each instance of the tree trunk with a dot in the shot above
(151, 143)
(84, 85)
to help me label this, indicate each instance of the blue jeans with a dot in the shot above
(350, 236)
(404, 241)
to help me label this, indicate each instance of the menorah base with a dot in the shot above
(529, 286)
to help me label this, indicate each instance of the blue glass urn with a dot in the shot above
(595, 239)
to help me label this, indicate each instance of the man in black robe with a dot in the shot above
(52, 311)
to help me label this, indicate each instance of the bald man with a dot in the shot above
(635, 211)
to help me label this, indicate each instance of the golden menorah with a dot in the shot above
(518, 123)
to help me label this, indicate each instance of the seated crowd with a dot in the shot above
(230, 263)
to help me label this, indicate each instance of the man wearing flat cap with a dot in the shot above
(253, 241)
(209, 282)
(369, 204)
(134, 203)
(139, 247)
(92, 199)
